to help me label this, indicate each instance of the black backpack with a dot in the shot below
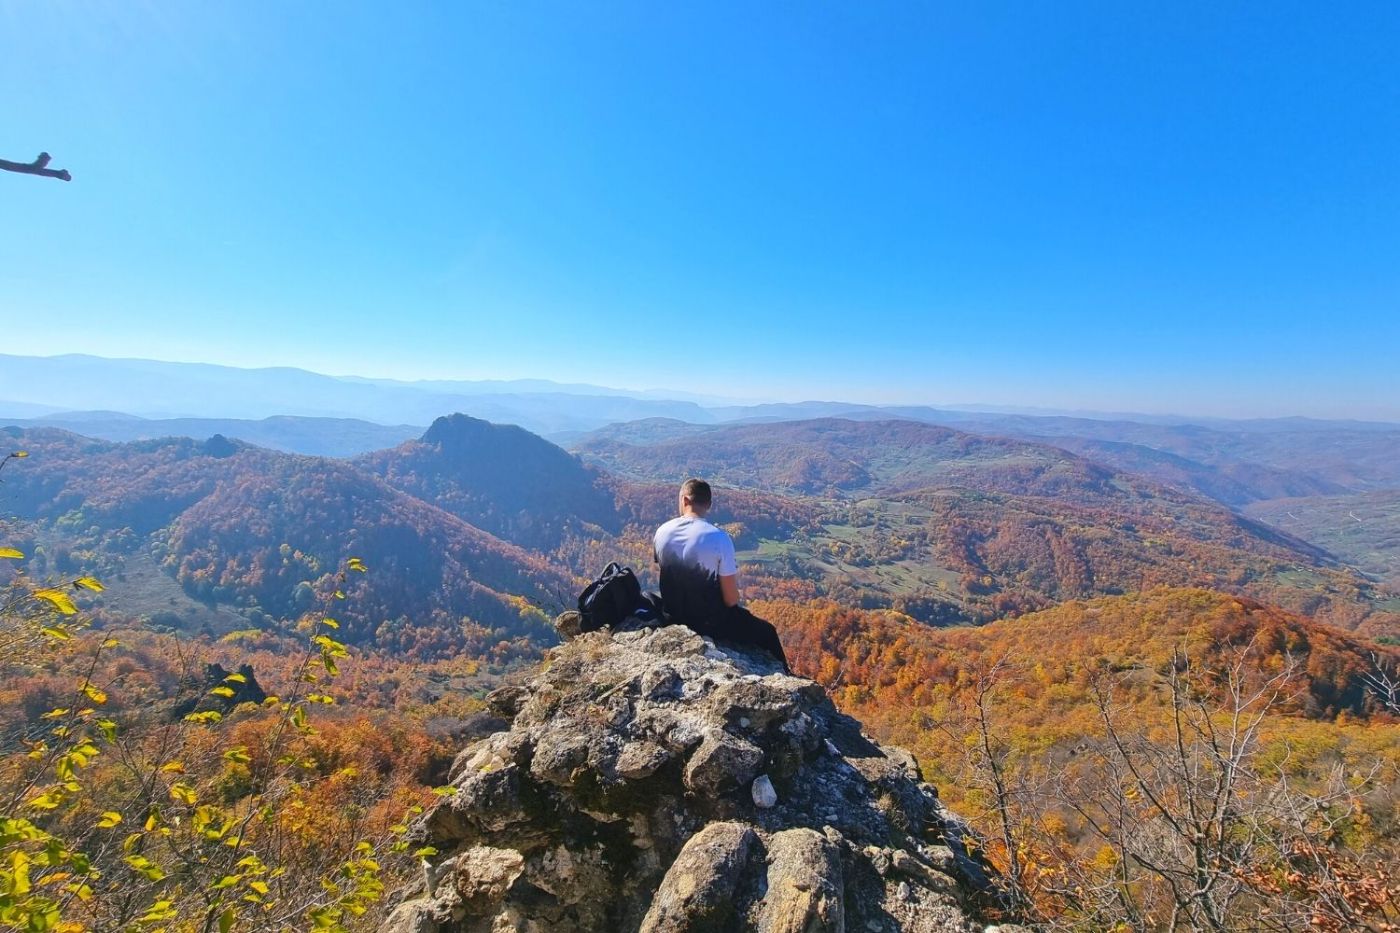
(611, 598)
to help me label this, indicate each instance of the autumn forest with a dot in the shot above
(233, 674)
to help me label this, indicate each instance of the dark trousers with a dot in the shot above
(738, 626)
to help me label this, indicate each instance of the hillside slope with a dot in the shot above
(263, 531)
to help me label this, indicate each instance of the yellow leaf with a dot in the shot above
(109, 819)
(11, 553)
(89, 583)
(222, 691)
(58, 599)
(94, 694)
(173, 767)
(355, 563)
(20, 454)
(21, 883)
(183, 793)
(48, 800)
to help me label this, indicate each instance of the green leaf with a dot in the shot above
(226, 921)
(160, 910)
(145, 867)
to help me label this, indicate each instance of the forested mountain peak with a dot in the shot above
(498, 477)
(463, 432)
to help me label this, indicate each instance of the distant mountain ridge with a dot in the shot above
(321, 437)
(1036, 474)
(156, 389)
(39, 386)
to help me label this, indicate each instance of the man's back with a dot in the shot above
(693, 555)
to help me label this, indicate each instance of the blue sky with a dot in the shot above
(1152, 206)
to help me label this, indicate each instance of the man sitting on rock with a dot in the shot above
(700, 577)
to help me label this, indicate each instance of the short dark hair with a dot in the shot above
(697, 491)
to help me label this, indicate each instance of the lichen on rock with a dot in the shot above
(654, 781)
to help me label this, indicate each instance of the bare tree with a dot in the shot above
(39, 166)
(1384, 682)
(1002, 786)
(1206, 832)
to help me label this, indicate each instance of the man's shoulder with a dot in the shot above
(714, 534)
(696, 529)
(671, 525)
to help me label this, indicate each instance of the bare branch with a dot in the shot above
(39, 166)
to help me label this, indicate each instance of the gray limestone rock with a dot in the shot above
(806, 890)
(626, 796)
(697, 893)
(722, 763)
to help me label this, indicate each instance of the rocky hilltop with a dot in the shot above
(652, 781)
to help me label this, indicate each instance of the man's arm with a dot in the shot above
(729, 589)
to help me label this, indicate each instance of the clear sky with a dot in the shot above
(1187, 207)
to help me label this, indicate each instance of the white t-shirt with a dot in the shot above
(693, 555)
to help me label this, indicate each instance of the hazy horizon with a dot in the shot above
(658, 393)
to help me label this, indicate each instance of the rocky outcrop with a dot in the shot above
(651, 781)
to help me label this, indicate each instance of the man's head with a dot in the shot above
(695, 497)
